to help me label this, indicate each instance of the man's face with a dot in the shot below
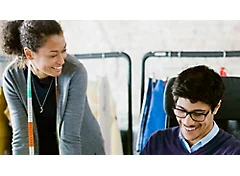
(191, 130)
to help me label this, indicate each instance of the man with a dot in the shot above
(197, 93)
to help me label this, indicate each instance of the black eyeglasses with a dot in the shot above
(195, 116)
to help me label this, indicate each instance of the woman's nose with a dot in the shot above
(61, 60)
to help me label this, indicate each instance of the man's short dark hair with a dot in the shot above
(199, 83)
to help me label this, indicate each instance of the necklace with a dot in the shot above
(41, 105)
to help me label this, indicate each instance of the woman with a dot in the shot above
(45, 89)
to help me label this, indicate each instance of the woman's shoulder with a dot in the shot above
(72, 62)
(11, 68)
(73, 66)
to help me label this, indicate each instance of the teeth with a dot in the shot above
(58, 67)
(190, 129)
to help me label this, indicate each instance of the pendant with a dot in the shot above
(41, 110)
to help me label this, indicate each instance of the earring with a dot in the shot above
(21, 57)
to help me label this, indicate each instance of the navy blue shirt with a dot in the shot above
(46, 121)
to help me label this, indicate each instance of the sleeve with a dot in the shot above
(147, 148)
(74, 113)
(153, 144)
(18, 116)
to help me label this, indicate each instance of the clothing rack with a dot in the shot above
(180, 54)
(4, 58)
(128, 147)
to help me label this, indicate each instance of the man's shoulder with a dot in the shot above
(228, 135)
(162, 142)
(231, 142)
(173, 131)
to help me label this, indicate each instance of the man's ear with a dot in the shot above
(28, 53)
(217, 107)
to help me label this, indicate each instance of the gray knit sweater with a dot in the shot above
(78, 129)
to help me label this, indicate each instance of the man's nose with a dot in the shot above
(188, 121)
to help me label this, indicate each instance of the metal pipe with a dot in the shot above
(126, 56)
(187, 54)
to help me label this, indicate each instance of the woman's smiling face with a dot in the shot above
(49, 59)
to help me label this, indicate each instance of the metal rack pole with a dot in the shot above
(192, 54)
(126, 56)
(4, 58)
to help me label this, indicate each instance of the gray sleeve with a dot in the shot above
(17, 114)
(74, 113)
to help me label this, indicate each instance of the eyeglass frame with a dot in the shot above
(190, 114)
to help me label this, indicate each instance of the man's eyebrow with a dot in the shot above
(202, 110)
(180, 107)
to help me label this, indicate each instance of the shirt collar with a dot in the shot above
(201, 142)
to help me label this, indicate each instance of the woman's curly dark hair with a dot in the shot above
(27, 33)
(199, 83)
(11, 38)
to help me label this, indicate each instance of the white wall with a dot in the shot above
(139, 37)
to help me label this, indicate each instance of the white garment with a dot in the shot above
(92, 96)
(107, 119)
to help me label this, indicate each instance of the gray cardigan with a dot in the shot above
(79, 131)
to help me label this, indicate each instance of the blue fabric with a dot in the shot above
(156, 119)
(144, 114)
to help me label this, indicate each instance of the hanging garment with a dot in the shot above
(156, 119)
(144, 114)
(153, 115)
(116, 140)
(7, 114)
(223, 72)
(5, 131)
(92, 96)
(108, 120)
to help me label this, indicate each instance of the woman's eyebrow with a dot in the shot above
(54, 51)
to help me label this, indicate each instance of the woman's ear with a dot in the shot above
(217, 107)
(28, 53)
